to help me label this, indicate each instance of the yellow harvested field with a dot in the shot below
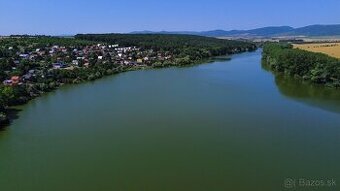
(332, 49)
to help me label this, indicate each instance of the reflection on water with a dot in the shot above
(304, 92)
(310, 94)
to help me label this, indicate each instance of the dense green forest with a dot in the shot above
(197, 47)
(315, 67)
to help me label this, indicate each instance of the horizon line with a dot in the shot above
(159, 31)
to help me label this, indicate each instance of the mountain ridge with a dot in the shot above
(270, 31)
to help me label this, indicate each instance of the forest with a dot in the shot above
(314, 67)
(197, 47)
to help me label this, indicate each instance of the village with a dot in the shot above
(41, 61)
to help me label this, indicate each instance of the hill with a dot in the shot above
(273, 31)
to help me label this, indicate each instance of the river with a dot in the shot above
(226, 125)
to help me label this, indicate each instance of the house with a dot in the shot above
(32, 57)
(24, 56)
(27, 77)
(15, 80)
(56, 66)
(75, 62)
(114, 46)
(100, 57)
(7, 82)
(139, 61)
(59, 65)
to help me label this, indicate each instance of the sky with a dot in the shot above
(60, 17)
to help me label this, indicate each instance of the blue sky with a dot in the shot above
(56, 17)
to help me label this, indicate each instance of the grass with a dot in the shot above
(331, 49)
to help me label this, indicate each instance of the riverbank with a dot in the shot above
(316, 68)
(11, 113)
(36, 65)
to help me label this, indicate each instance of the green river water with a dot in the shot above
(226, 125)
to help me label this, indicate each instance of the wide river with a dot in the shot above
(226, 125)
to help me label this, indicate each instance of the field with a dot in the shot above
(332, 49)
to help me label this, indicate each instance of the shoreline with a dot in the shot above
(11, 112)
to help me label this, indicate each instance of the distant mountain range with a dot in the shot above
(276, 31)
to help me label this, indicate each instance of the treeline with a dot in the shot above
(10, 45)
(315, 67)
(196, 47)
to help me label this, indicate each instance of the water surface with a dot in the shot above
(227, 125)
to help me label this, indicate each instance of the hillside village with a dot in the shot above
(42, 61)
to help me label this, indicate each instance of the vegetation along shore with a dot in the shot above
(31, 66)
(317, 68)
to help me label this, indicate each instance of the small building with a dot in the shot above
(15, 80)
(27, 77)
(7, 82)
(59, 65)
(140, 61)
(114, 46)
(24, 56)
(75, 62)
